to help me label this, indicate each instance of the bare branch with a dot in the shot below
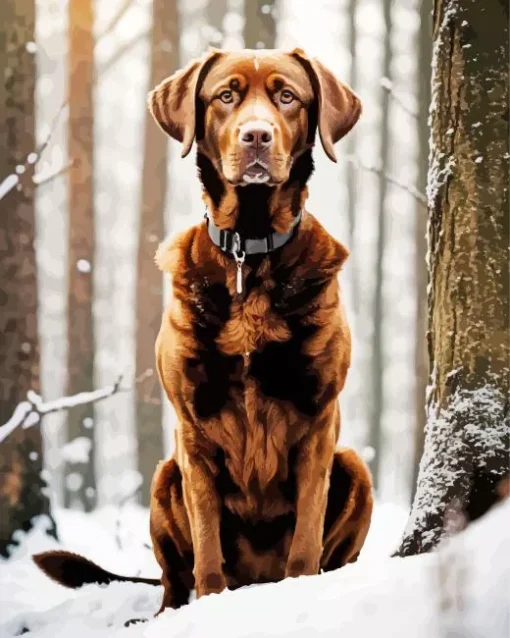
(388, 87)
(409, 188)
(123, 9)
(115, 57)
(51, 132)
(28, 413)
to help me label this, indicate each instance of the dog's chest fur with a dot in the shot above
(257, 384)
(259, 337)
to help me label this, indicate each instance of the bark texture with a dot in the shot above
(22, 494)
(164, 61)
(467, 433)
(260, 25)
(80, 487)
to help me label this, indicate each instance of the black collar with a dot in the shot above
(231, 242)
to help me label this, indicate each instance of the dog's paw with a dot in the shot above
(212, 583)
(301, 566)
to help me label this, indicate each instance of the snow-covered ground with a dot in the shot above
(460, 591)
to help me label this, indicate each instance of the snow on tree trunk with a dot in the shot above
(80, 485)
(22, 494)
(467, 433)
(149, 419)
(260, 24)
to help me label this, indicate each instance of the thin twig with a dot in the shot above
(45, 179)
(409, 188)
(115, 19)
(115, 57)
(33, 158)
(388, 87)
(51, 132)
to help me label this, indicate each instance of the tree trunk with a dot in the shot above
(377, 363)
(214, 14)
(467, 433)
(22, 496)
(164, 61)
(260, 24)
(420, 351)
(351, 168)
(80, 487)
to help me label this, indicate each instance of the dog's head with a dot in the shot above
(253, 113)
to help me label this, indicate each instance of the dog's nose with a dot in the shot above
(256, 135)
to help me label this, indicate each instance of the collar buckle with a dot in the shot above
(236, 243)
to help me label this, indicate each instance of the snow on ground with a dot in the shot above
(462, 590)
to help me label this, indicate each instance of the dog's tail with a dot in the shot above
(73, 570)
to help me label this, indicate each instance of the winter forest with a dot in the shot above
(89, 187)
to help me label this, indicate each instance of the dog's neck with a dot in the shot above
(255, 211)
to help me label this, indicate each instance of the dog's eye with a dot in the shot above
(286, 97)
(226, 97)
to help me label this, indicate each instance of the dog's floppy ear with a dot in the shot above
(339, 107)
(173, 102)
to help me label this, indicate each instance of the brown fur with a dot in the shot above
(256, 490)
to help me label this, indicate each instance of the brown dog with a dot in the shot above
(254, 346)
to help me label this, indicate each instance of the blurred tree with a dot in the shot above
(214, 15)
(22, 495)
(260, 24)
(467, 434)
(424, 47)
(377, 362)
(80, 485)
(351, 168)
(164, 61)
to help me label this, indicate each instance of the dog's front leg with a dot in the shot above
(313, 470)
(204, 509)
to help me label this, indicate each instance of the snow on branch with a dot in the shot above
(28, 413)
(33, 158)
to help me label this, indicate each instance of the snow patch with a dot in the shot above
(461, 590)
